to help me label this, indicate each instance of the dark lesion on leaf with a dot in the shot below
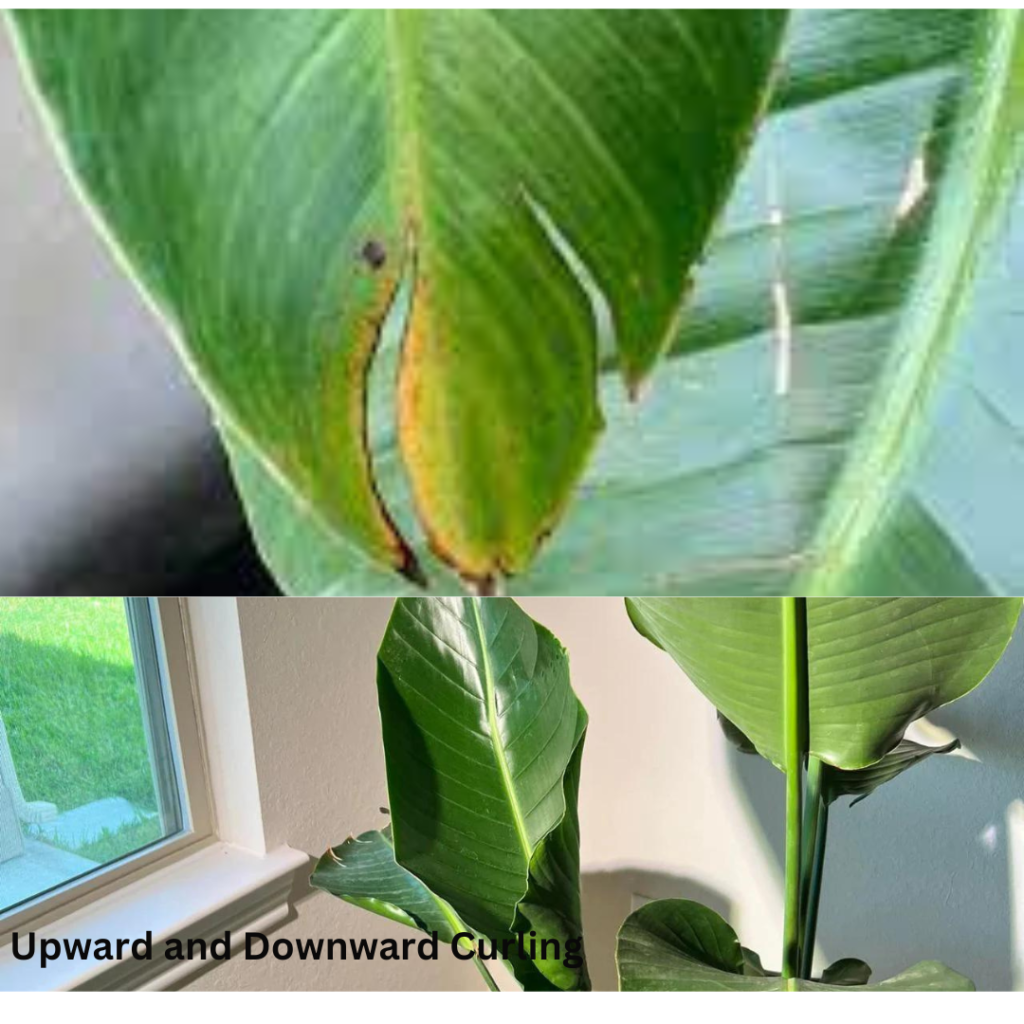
(374, 254)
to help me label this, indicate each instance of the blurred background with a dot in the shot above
(111, 477)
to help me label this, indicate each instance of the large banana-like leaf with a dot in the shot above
(874, 664)
(482, 738)
(274, 177)
(876, 447)
(679, 945)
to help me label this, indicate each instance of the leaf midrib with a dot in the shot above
(897, 425)
(495, 735)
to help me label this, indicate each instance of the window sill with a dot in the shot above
(219, 888)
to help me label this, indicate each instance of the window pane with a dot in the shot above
(87, 764)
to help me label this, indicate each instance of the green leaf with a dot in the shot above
(552, 904)
(732, 481)
(848, 972)
(304, 553)
(482, 738)
(752, 964)
(848, 482)
(363, 871)
(284, 173)
(983, 174)
(859, 470)
(735, 736)
(874, 664)
(862, 782)
(682, 946)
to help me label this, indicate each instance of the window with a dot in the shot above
(100, 761)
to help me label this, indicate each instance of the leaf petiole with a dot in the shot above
(794, 681)
(811, 862)
(814, 896)
(487, 976)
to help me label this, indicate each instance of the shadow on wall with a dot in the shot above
(923, 869)
(609, 897)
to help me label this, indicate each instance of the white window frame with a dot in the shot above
(217, 876)
(170, 631)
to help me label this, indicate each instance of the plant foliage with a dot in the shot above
(291, 181)
(824, 688)
(483, 737)
(413, 293)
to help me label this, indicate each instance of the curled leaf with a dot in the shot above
(846, 972)
(862, 782)
(682, 946)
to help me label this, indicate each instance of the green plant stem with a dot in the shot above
(814, 895)
(808, 861)
(458, 926)
(794, 679)
(482, 968)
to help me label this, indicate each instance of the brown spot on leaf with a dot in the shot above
(374, 254)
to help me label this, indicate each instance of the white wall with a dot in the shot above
(921, 870)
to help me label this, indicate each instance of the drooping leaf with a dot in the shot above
(482, 739)
(681, 946)
(862, 782)
(363, 871)
(874, 664)
(274, 176)
(847, 972)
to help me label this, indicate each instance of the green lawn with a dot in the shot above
(69, 702)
